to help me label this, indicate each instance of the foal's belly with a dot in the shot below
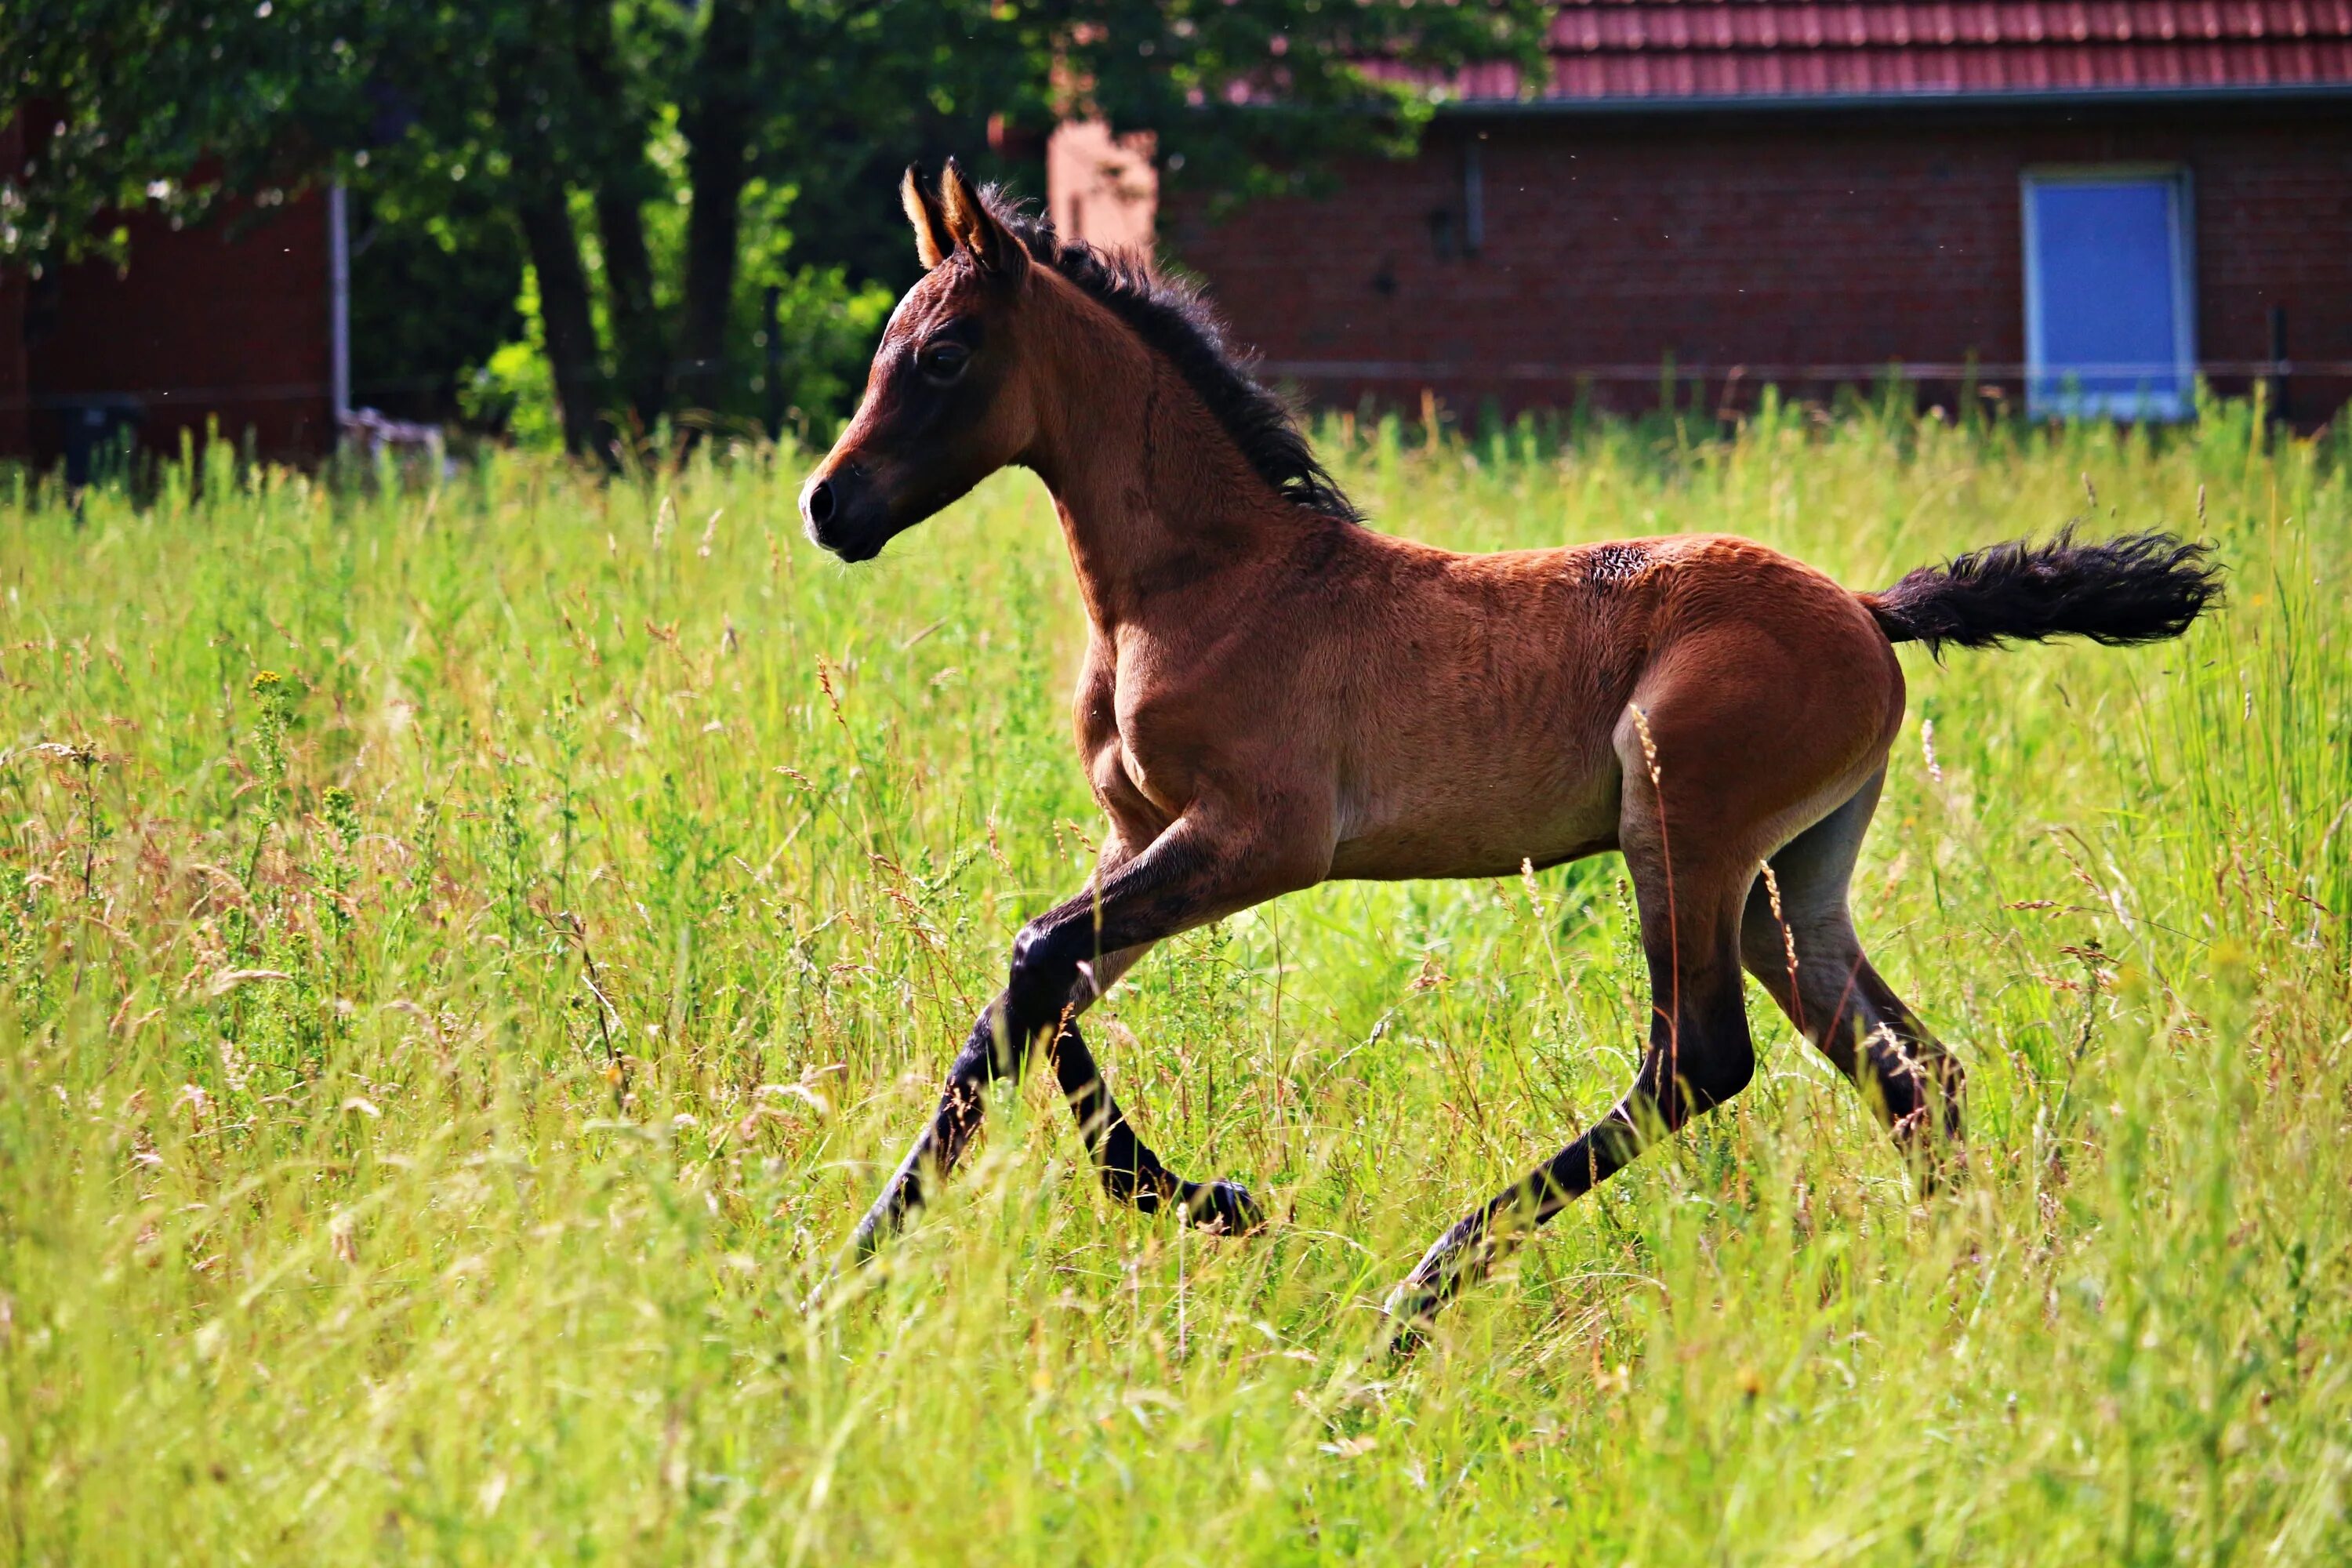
(1395, 860)
(1481, 824)
(1478, 717)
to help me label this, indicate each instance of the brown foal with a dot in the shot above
(1274, 695)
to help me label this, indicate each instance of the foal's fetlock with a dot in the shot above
(1934, 1150)
(1938, 1161)
(1222, 1208)
(1412, 1311)
(1464, 1254)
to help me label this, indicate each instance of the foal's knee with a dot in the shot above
(1718, 1056)
(1033, 958)
(1041, 981)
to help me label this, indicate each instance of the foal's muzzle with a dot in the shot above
(844, 513)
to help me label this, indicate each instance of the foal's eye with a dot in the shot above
(943, 362)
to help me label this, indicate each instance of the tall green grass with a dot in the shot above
(466, 955)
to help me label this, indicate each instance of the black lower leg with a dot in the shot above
(1797, 937)
(1130, 1172)
(1186, 875)
(1680, 1077)
(1920, 1085)
(989, 1054)
(1467, 1252)
(1915, 1085)
(997, 1048)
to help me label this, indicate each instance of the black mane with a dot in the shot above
(1172, 319)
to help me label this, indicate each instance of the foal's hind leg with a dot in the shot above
(1838, 1000)
(1700, 1056)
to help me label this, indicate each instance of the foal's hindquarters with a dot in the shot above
(1730, 707)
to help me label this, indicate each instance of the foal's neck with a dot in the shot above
(1156, 499)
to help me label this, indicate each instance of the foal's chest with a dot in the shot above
(1133, 780)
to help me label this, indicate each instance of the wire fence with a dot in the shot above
(1442, 371)
(1410, 373)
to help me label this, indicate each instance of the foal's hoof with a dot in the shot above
(1223, 1208)
(1412, 1311)
(1407, 1341)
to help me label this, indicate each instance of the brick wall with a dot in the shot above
(1768, 243)
(226, 321)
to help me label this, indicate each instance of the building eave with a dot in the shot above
(2285, 94)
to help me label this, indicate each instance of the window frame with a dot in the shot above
(2180, 212)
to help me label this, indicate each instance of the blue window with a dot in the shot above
(2110, 319)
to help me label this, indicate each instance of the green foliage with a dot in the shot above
(436, 290)
(165, 106)
(432, 1083)
(662, 164)
(1250, 101)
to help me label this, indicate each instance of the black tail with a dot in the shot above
(2142, 587)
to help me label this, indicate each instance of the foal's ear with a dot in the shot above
(932, 241)
(979, 230)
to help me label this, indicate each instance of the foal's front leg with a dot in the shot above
(1204, 867)
(1130, 1172)
(1126, 1164)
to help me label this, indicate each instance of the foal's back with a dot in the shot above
(1504, 683)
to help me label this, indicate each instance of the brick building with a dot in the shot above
(2082, 204)
(232, 320)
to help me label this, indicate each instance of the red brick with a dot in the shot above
(1767, 241)
(225, 321)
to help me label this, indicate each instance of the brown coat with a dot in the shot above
(1274, 695)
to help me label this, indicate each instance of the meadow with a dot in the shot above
(470, 950)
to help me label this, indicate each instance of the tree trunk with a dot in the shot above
(629, 297)
(542, 209)
(564, 312)
(718, 129)
(624, 183)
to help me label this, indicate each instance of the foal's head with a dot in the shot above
(947, 401)
(992, 347)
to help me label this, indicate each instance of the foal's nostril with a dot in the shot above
(817, 505)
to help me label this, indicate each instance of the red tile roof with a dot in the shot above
(1662, 51)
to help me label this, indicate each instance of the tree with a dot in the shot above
(644, 150)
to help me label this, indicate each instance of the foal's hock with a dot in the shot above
(1274, 694)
